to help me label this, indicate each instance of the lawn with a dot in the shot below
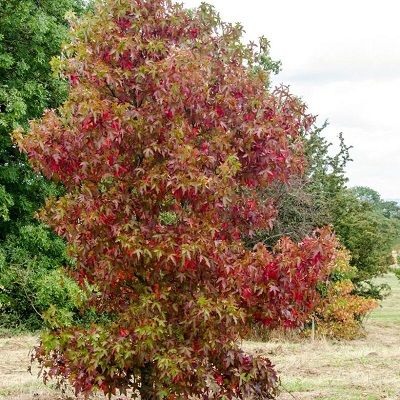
(364, 369)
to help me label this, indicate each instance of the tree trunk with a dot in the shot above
(146, 382)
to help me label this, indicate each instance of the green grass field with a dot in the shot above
(363, 369)
(390, 310)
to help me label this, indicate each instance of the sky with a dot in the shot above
(342, 58)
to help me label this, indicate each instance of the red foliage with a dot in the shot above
(165, 144)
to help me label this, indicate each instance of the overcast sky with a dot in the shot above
(343, 58)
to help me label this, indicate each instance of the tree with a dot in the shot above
(364, 223)
(368, 227)
(165, 145)
(389, 208)
(31, 33)
(305, 202)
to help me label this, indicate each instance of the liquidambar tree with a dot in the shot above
(165, 145)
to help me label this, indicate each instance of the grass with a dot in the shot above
(16, 383)
(363, 369)
(390, 309)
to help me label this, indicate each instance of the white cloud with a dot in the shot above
(343, 58)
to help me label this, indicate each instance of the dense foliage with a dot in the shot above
(30, 282)
(31, 33)
(369, 230)
(341, 312)
(369, 227)
(166, 146)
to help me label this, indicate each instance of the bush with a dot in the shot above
(31, 279)
(341, 312)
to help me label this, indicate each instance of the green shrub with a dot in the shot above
(31, 279)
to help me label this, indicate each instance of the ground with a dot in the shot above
(364, 369)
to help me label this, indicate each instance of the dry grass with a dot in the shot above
(16, 383)
(364, 369)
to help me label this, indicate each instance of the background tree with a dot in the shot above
(369, 228)
(365, 224)
(31, 33)
(165, 145)
(305, 202)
